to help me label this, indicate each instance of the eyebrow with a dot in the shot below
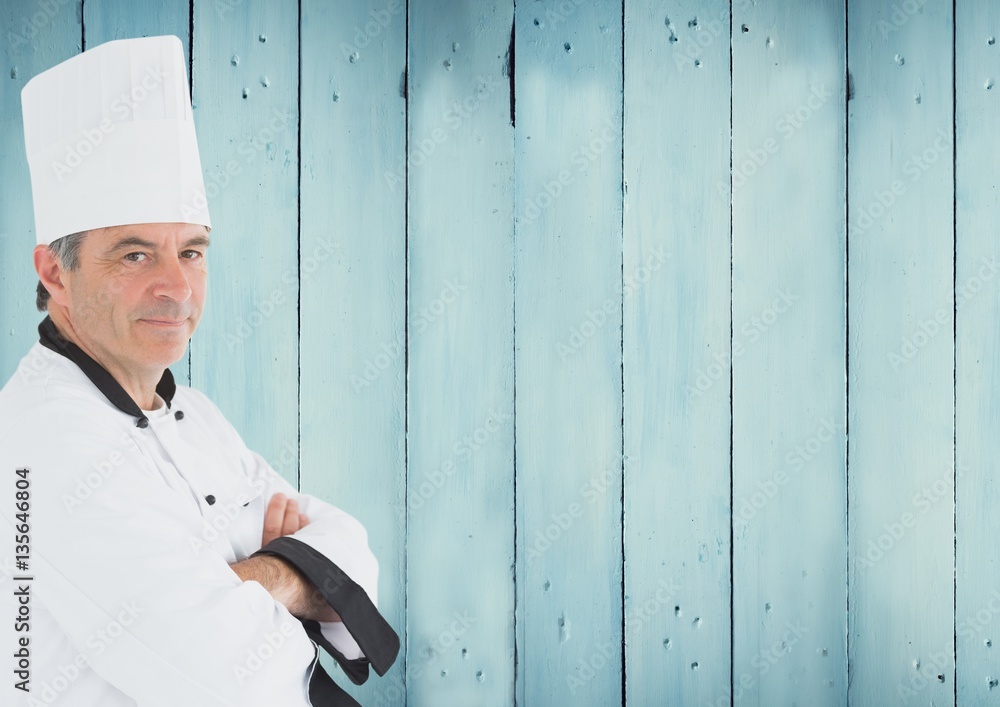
(196, 240)
(137, 242)
(132, 241)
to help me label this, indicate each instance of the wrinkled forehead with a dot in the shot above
(148, 235)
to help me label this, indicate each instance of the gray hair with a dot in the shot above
(67, 250)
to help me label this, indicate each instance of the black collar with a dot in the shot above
(50, 338)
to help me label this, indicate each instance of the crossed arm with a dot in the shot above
(282, 580)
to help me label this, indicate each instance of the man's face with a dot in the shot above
(138, 293)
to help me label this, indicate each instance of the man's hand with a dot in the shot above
(287, 585)
(282, 518)
(281, 579)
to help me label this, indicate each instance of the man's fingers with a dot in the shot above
(274, 518)
(291, 522)
(282, 518)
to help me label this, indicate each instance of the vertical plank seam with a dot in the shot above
(298, 265)
(954, 324)
(83, 27)
(732, 582)
(190, 374)
(191, 63)
(510, 67)
(513, 195)
(406, 353)
(623, 188)
(847, 347)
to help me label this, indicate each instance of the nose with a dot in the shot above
(171, 281)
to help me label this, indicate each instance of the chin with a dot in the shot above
(166, 353)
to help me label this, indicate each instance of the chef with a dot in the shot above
(149, 557)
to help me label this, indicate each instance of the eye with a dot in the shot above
(192, 254)
(134, 257)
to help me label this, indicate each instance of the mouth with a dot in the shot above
(165, 323)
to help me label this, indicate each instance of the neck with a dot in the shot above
(139, 384)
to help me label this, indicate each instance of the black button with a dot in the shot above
(211, 499)
(179, 415)
(142, 422)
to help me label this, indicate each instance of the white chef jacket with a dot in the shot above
(133, 518)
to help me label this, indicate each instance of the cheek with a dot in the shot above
(91, 299)
(198, 289)
(124, 293)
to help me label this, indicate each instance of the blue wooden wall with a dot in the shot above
(653, 342)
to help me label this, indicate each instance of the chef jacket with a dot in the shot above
(127, 521)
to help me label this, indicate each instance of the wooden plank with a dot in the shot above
(788, 351)
(977, 298)
(353, 300)
(901, 450)
(245, 353)
(33, 40)
(106, 20)
(568, 354)
(676, 321)
(460, 329)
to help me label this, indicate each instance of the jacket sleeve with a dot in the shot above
(111, 558)
(332, 551)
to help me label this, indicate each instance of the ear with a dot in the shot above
(51, 274)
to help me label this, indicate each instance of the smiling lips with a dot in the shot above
(166, 323)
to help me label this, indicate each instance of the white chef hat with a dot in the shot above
(110, 140)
